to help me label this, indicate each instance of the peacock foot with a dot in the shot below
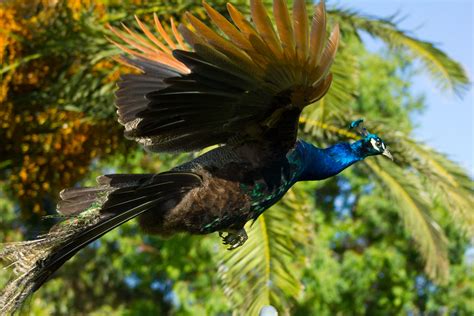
(234, 238)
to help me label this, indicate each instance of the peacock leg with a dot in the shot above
(234, 238)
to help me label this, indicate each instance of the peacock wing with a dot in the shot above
(245, 81)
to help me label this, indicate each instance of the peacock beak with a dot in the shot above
(386, 153)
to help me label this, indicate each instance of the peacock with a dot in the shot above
(240, 91)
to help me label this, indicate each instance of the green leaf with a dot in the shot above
(17, 63)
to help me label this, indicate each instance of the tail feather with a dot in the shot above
(36, 260)
(75, 200)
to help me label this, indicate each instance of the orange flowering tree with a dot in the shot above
(56, 91)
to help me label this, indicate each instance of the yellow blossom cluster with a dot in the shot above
(43, 149)
(50, 150)
(9, 46)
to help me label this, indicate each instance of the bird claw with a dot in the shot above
(234, 238)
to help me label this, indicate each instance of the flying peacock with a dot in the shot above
(243, 89)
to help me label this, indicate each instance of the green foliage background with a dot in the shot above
(379, 239)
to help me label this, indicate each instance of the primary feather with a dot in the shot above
(237, 85)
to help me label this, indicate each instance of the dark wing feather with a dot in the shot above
(244, 85)
(196, 110)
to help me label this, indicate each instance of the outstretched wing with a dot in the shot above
(247, 81)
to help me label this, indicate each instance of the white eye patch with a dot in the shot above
(374, 142)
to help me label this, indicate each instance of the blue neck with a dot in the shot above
(319, 164)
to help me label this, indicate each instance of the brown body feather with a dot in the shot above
(216, 200)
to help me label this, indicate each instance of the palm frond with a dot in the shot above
(448, 73)
(449, 184)
(264, 270)
(414, 207)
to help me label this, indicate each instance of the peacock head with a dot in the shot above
(371, 144)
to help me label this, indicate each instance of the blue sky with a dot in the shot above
(447, 124)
